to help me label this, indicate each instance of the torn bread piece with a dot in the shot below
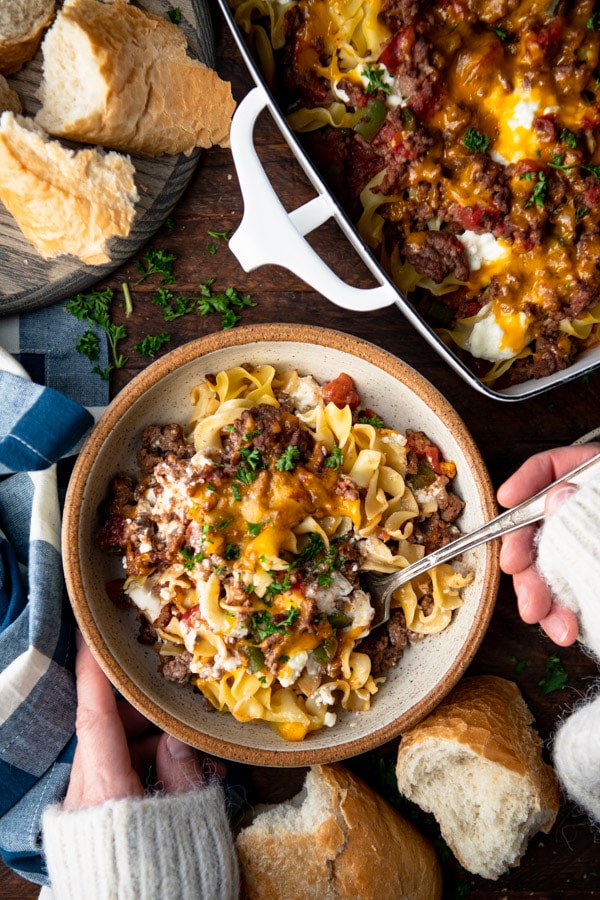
(119, 76)
(476, 763)
(64, 201)
(336, 840)
(22, 24)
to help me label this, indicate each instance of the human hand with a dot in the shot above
(117, 746)
(517, 557)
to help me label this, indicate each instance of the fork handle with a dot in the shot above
(531, 510)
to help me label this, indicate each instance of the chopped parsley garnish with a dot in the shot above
(556, 676)
(224, 303)
(540, 189)
(501, 32)
(247, 473)
(593, 23)
(325, 580)
(375, 82)
(252, 458)
(94, 308)
(263, 624)
(375, 421)
(288, 459)
(174, 14)
(220, 235)
(157, 262)
(254, 528)
(518, 665)
(190, 558)
(315, 545)
(232, 551)
(152, 344)
(236, 492)
(580, 213)
(278, 587)
(476, 141)
(89, 345)
(335, 458)
(558, 163)
(173, 305)
(567, 137)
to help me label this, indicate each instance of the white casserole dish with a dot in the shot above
(270, 235)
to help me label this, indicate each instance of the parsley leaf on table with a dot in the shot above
(151, 344)
(157, 262)
(556, 676)
(94, 308)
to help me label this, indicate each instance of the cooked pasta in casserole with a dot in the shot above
(462, 138)
(243, 540)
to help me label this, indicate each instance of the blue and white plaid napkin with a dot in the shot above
(40, 423)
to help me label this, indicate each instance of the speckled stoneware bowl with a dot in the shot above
(160, 394)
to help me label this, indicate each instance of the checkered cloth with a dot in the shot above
(40, 424)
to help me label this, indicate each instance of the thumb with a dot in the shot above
(178, 766)
(557, 497)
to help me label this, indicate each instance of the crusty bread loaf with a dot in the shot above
(22, 23)
(64, 201)
(476, 763)
(9, 99)
(336, 840)
(120, 77)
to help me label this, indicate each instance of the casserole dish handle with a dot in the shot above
(269, 235)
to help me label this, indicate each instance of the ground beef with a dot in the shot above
(160, 443)
(386, 645)
(270, 431)
(438, 255)
(177, 668)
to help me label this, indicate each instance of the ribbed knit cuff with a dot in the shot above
(569, 559)
(176, 845)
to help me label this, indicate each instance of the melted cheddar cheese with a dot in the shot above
(436, 121)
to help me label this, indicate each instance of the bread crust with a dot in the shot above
(361, 850)
(488, 717)
(64, 202)
(17, 49)
(9, 99)
(150, 97)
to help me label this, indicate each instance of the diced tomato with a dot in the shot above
(476, 217)
(341, 391)
(398, 48)
(433, 457)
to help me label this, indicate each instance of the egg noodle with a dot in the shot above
(261, 520)
(467, 152)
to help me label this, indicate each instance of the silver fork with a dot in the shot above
(381, 587)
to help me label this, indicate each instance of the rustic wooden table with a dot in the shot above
(565, 863)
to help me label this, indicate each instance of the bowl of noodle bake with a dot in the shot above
(218, 525)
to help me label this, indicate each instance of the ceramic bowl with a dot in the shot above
(160, 395)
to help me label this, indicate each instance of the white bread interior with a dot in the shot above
(119, 76)
(64, 201)
(9, 99)
(336, 840)
(22, 23)
(476, 763)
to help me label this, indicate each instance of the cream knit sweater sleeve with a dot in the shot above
(175, 845)
(569, 561)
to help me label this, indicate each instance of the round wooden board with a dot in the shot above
(27, 281)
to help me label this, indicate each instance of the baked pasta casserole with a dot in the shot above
(462, 138)
(244, 537)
